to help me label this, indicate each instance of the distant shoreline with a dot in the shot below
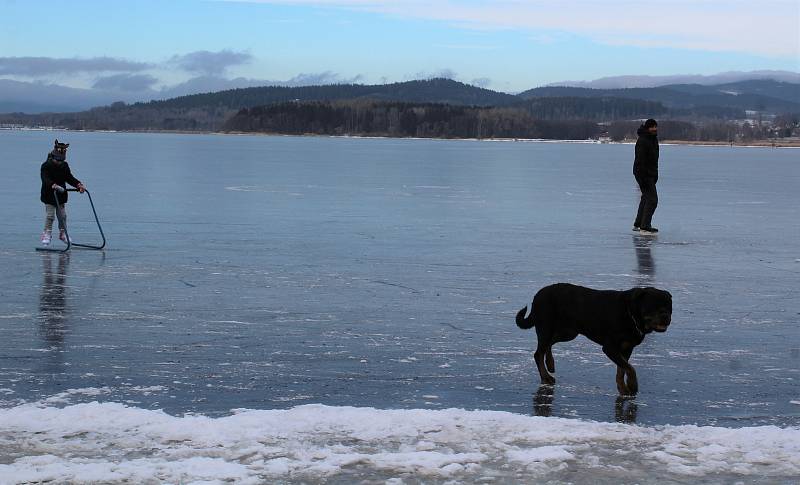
(790, 143)
(751, 144)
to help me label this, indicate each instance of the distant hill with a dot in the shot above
(758, 95)
(210, 111)
(773, 89)
(34, 97)
(16, 96)
(37, 97)
(640, 81)
(423, 91)
(590, 108)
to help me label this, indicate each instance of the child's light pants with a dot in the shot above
(50, 214)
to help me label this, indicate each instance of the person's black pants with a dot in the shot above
(648, 202)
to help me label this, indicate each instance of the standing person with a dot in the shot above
(55, 175)
(645, 169)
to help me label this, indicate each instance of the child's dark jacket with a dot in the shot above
(60, 174)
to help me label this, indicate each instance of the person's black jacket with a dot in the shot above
(56, 173)
(646, 162)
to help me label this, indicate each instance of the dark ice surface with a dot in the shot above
(266, 272)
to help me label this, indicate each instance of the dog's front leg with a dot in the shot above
(624, 369)
(633, 382)
(623, 390)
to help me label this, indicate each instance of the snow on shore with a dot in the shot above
(113, 443)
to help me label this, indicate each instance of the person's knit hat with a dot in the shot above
(59, 151)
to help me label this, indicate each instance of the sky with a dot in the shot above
(505, 45)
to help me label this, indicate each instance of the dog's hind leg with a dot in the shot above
(539, 356)
(548, 359)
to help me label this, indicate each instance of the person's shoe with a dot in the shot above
(45, 238)
(63, 236)
(648, 230)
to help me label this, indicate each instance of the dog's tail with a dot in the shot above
(522, 322)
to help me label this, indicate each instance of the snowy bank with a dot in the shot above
(114, 443)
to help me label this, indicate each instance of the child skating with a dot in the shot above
(55, 175)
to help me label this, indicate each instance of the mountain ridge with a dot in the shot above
(756, 95)
(211, 111)
(30, 97)
(645, 81)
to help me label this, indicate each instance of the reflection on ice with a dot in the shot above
(52, 298)
(625, 407)
(645, 264)
(53, 309)
(543, 401)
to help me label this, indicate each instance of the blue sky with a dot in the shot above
(506, 45)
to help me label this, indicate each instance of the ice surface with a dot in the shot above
(270, 272)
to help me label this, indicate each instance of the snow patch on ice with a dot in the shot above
(66, 396)
(147, 390)
(15, 315)
(114, 443)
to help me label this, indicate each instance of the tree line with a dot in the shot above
(546, 118)
(432, 120)
(711, 130)
(397, 119)
(209, 113)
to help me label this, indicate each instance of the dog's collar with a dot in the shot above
(635, 324)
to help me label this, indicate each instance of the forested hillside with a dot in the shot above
(447, 108)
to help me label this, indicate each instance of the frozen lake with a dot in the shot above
(264, 273)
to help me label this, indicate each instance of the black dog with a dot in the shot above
(617, 320)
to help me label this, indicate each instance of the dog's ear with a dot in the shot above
(635, 301)
(669, 299)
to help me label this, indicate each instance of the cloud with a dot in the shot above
(481, 82)
(210, 63)
(208, 84)
(43, 66)
(444, 73)
(766, 28)
(314, 79)
(126, 82)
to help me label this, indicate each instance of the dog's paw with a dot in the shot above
(632, 384)
(628, 389)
